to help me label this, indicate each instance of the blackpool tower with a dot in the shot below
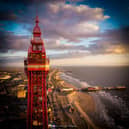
(37, 67)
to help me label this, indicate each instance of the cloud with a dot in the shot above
(29, 1)
(70, 55)
(12, 42)
(57, 45)
(12, 61)
(112, 41)
(58, 21)
(78, 12)
(120, 34)
(7, 16)
(71, 22)
(66, 29)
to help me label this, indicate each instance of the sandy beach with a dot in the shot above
(82, 102)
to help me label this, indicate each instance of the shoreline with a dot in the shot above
(90, 88)
(83, 102)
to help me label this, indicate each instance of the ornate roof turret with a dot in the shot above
(36, 41)
(36, 30)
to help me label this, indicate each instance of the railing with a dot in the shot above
(38, 61)
(37, 41)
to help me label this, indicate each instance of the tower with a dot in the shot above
(37, 67)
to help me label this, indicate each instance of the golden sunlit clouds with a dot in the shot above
(118, 49)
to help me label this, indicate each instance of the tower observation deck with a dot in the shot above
(36, 67)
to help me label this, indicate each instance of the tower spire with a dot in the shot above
(36, 30)
(37, 19)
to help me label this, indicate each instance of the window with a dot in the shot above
(40, 47)
(34, 47)
(37, 39)
(37, 47)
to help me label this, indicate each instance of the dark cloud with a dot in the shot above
(112, 41)
(11, 59)
(9, 41)
(118, 35)
(9, 16)
(27, 2)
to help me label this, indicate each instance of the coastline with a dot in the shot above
(102, 105)
(83, 102)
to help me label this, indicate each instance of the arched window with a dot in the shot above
(34, 47)
(40, 47)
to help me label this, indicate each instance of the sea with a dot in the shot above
(112, 107)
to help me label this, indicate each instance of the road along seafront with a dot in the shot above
(67, 107)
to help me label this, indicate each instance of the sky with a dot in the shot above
(75, 32)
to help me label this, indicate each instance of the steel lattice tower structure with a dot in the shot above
(36, 68)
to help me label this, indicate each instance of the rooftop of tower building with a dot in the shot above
(36, 28)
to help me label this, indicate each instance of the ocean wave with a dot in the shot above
(116, 102)
(101, 113)
(110, 108)
(75, 81)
